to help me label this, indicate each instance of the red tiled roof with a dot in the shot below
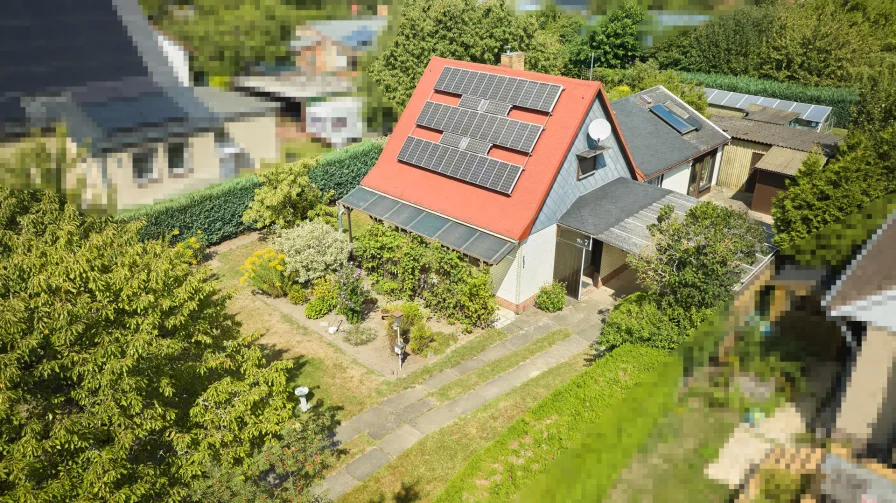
(509, 216)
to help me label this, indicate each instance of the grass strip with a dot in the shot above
(457, 356)
(420, 472)
(532, 443)
(495, 368)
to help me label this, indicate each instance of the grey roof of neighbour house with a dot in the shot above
(619, 212)
(728, 99)
(804, 140)
(783, 160)
(844, 481)
(361, 31)
(757, 112)
(112, 88)
(231, 105)
(655, 146)
(866, 291)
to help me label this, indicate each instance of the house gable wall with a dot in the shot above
(567, 188)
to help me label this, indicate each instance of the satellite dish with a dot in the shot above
(599, 130)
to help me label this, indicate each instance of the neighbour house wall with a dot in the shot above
(257, 136)
(202, 170)
(567, 188)
(676, 179)
(867, 412)
(736, 159)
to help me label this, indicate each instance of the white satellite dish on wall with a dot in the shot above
(599, 130)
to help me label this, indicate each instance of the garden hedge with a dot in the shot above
(840, 99)
(216, 210)
(532, 443)
(341, 171)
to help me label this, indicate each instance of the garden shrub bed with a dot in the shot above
(217, 211)
(534, 441)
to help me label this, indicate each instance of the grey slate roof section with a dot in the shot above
(123, 69)
(655, 145)
(232, 105)
(619, 212)
(567, 188)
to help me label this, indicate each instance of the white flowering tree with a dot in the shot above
(313, 250)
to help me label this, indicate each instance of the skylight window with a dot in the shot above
(672, 119)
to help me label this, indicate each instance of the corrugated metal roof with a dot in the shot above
(782, 160)
(757, 112)
(773, 134)
(807, 111)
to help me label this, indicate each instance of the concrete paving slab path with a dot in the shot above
(400, 440)
(367, 464)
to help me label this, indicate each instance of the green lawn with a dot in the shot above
(493, 369)
(423, 470)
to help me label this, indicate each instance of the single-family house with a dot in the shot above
(789, 113)
(863, 301)
(335, 45)
(526, 172)
(762, 156)
(672, 144)
(142, 135)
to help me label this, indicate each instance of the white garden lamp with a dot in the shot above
(302, 392)
(399, 344)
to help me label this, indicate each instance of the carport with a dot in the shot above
(602, 227)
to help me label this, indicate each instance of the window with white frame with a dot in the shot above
(177, 159)
(144, 165)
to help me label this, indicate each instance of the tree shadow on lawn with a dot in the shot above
(408, 493)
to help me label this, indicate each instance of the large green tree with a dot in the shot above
(814, 42)
(123, 377)
(614, 43)
(644, 75)
(695, 261)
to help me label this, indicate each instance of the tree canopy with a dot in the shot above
(122, 376)
(644, 75)
(615, 43)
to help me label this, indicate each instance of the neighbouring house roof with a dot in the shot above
(782, 136)
(618, 212)
(843, 480)
(760, 113)
(355, 32)
(866, 291)
(510, 216)
(112, 88)
(296, 86)
(233, 105)
(656, 146)
(806, 111)
(783, 160)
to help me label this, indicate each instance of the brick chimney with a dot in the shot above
(513, 60)
(382, 10)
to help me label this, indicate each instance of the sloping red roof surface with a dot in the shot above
(509, 216)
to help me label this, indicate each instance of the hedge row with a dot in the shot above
(216, 210)
(840, 99)
(341, 171)
(532, 443)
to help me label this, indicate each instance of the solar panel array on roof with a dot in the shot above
(515, 91)
(677, 123)
(470, 102)
(453, 234)
(473, 168)
(477, 147)
(123, 114)
(452, 140)
(808, 112)
(497, 108)
(509, 133)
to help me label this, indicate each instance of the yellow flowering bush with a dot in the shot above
(193, 247)
(265, 270)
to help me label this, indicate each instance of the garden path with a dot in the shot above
(402, 420)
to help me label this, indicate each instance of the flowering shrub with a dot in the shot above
(352, 294)
(424, 341)
(194, 246)
(313, 250)
(411, 315)
(298, 295)
(326, 295)
(264, 270)
(359, 335)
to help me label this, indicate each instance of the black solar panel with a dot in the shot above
(452, 140)
(488, 128)
(497, 108)
(477, 147)
(470, 102)
(473, 168)
(512, 90)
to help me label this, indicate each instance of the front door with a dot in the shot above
(568, 266)
(692, 182)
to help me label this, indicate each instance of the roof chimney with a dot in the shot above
(513, 60)
(382, 10)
